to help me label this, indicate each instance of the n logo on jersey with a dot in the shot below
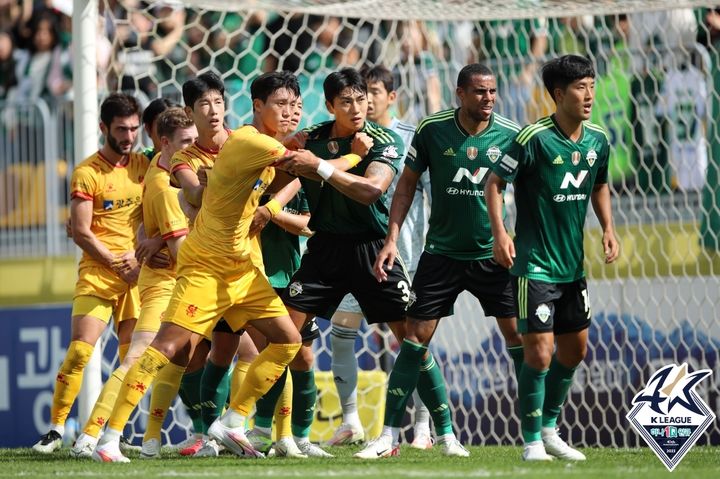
(591, 157)
(475, 177)
(472, 152)
(493, 153)
(576, 181)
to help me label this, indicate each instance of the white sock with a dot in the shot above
(300, 440)
(232, 419)
(353, 419)
(533, 443)
(392, 432)
(109, 437)
(60, 429)
(265, 430)
(446, 438)
(548, 431)
(422, 414)
(345, 367)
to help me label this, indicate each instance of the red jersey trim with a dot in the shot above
(81, 195)
(175, 234)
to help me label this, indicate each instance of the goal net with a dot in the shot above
(657, 95)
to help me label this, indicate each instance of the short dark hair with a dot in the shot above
(562, 71)
(379, 73)
(118, 105)
(267, 83)
(197, 87)
(154, 108)
(336, 82)
(464, 78)
(171, 120)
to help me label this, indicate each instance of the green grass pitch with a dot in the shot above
(489, 461)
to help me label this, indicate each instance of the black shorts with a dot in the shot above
(558, 308)
(222, 326)
(309, 332)
(335, 265)
(440, 279)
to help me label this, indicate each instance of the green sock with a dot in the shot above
(303, 402)
(531, 393)
(265, 407)
(214, 391)
(557, 384)
(517, 355)
(402, 382)
(190, 395)
(431, 388)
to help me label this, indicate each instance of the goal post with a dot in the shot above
(657, 84)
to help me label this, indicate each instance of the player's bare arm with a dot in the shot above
(294, 224)
(503, 246)
(189, 210)
(402, 200)
(603, 209)
(191, 187)
(148, 250)
(265, 213)
(81, 213)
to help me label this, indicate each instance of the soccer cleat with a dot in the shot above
(286, 447)
(108, 452)
(192, 448)
(189, 441)
(84, 446)
(380, 447)
(422, 440)
(150, 449)
(49, 443)
(346, 435)
(260, 441)
(535, 451)
(210, 448)
(454, 449)
(234, 439)
(127, 446)
(311, 450)
(555, 446)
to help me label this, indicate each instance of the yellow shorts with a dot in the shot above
(156, 287)
(109, 293)
(210, 288)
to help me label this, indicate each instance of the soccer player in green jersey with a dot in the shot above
(458, 147)
(557, 165)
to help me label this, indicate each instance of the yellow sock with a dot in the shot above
(165, 388)
(283, 410)
(104, 404)
(122, 351)
(262, 374)
(69, 380)
(137, 380)
(238, 376)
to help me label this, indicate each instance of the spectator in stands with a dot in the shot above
(8, 76)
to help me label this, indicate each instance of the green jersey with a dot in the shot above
(459, 163)
(333, 212)
(280, 249)
(553, 178)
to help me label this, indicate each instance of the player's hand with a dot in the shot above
(159, 261)
(385, 260)
(147, 248)
(361, 144)
(202, 174)
(68, 227)
(127, 267)
(504, 250)
(260, 220)
(611, 246)
(130, 276)
(189, 210)
(300, 163)
(296, 141)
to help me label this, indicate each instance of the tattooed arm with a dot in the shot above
(364, 189)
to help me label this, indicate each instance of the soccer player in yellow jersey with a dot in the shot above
(162, 218)
(216, 277)
(105, 210)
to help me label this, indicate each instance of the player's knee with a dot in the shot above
(537, 356)
(304, 359)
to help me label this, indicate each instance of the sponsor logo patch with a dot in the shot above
(493, 153)
(449, 152)
(390, 152)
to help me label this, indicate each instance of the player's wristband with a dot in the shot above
(325, 170)
(273, 207)
(352, 159)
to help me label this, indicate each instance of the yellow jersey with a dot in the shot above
(162, 215)
(192, 158)
(116, 193)
(240, 176)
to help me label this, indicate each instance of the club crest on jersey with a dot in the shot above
(669, 414)
(493, 153)
(575, 158)
(390, 152)
(295, 288)
(543, 312)
(591, 157)
(333, 147)
(471, 152)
